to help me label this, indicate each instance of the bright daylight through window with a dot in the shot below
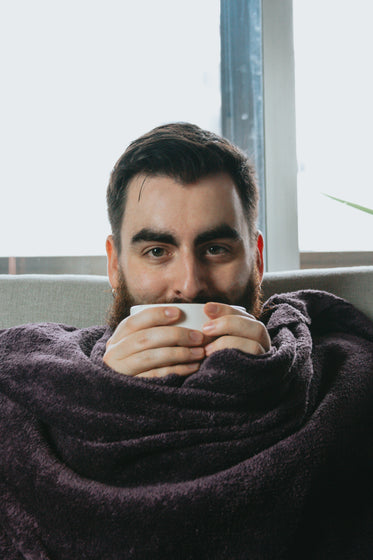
(334, 90)
(80, 80)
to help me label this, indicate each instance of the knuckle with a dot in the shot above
(147, 360)
(143, 339)
(129, 323)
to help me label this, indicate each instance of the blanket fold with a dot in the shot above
(265, 456)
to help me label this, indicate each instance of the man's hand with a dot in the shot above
(234, 329)
(148, 344)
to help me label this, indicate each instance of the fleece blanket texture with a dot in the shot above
(252, 457)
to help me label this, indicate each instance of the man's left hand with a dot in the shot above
(234, 329)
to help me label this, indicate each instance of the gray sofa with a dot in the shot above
(84, 300)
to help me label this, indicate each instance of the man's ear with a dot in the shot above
(259, 254)
(112, 262)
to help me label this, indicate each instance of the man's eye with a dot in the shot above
(156, 252)
(216, 250)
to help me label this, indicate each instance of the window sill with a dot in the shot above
(335, 259)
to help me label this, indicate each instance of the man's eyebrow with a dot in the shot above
(148, 234)
(224, 231)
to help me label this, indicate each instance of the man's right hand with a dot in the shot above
(148, 344)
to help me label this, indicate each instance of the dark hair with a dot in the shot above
(186, 153)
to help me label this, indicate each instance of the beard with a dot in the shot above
(251, 299)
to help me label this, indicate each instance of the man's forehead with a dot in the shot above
(140, 182)
(159, 203)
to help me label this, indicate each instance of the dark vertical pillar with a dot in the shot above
(242, 84)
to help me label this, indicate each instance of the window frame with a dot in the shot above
(253, 85)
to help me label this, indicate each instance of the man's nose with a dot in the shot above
(189, 278)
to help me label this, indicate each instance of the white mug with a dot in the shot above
(192, 317)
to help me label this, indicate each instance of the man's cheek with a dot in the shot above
(145, 288)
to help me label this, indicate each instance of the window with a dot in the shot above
(80, 80)
(83, 79)
(334, 114)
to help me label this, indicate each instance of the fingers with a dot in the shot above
(239, 343)
(239, 326)
(182, 369)
(149, 345)
(155, 337)
(153, 358)
(156, 316)
(235, 329)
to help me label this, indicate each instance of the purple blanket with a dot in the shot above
(252, 457)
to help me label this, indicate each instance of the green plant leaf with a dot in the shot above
(357, 206)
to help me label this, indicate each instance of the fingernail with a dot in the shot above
(197, 352)
(171, 312)
(208, 327)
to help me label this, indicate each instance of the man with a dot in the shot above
(183, 208)
(146, 440)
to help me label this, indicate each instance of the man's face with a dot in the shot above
(184, 243)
